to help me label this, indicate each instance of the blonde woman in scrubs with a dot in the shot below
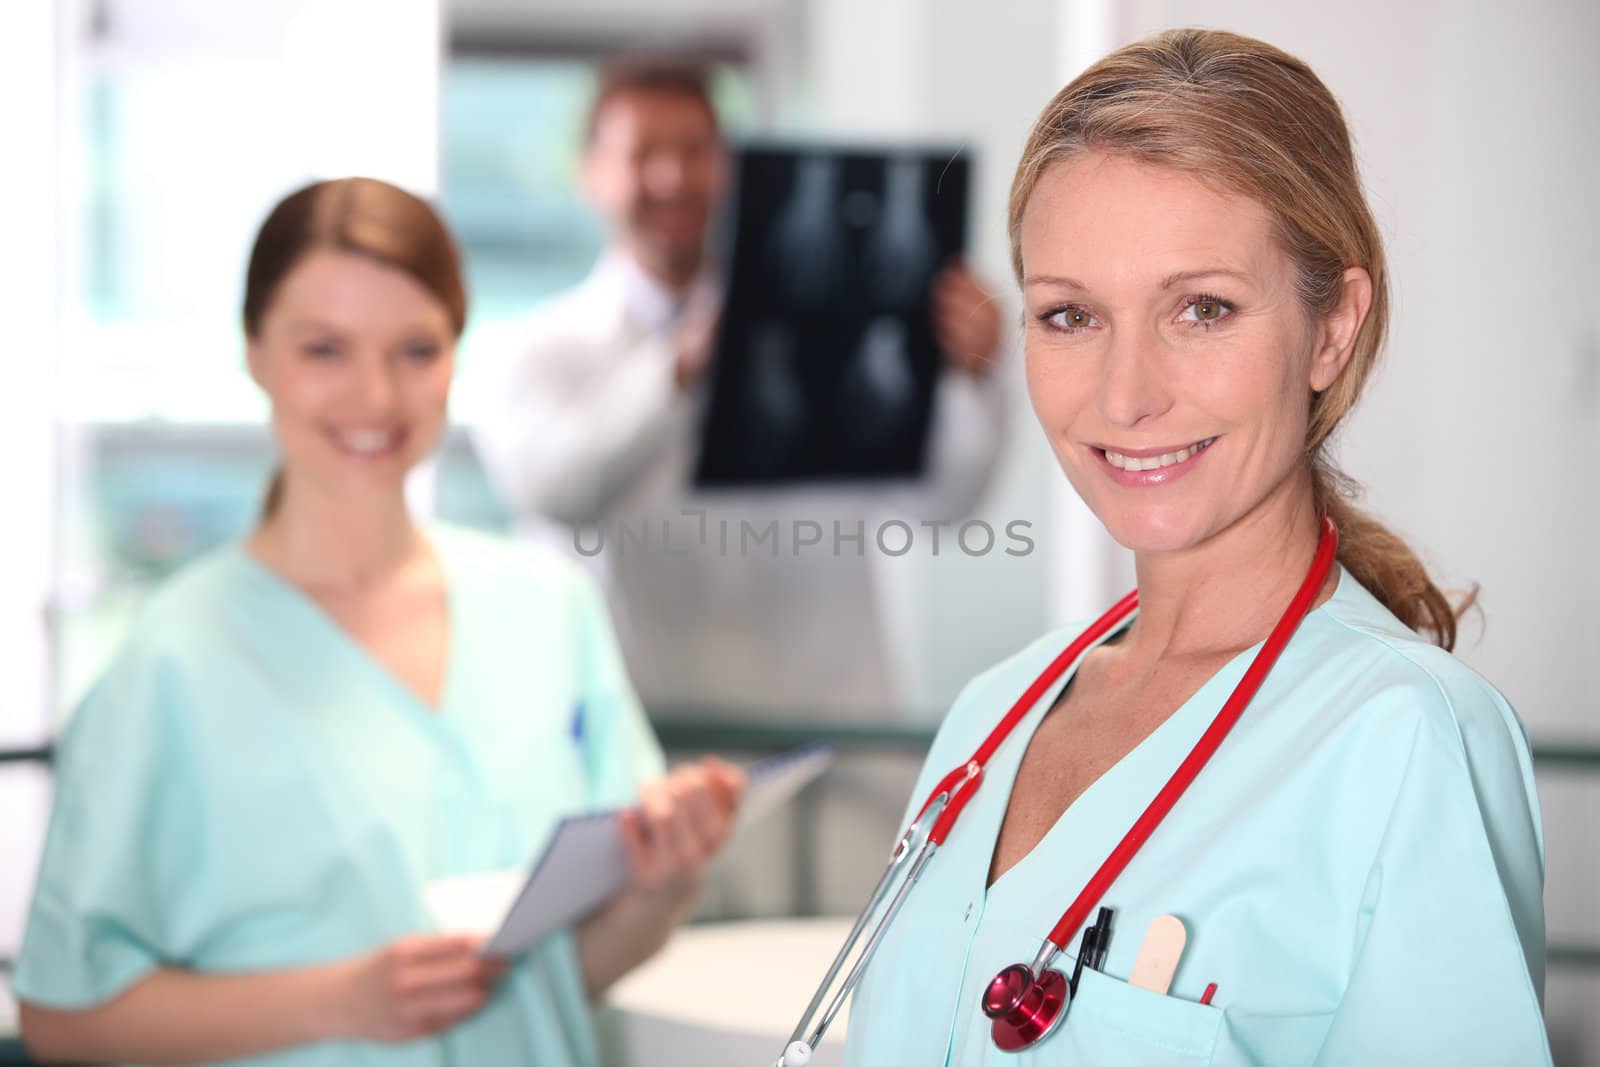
(311, 724)
(1359, 867)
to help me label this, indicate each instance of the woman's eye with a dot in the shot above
(1205, 310)
(423, 352)
(320, 349)
(1070, 319)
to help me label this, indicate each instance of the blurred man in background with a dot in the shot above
(595, 423)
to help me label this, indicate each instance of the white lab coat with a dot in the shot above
(586, 426)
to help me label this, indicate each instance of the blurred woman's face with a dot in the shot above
(1168, 356)
(356, 357)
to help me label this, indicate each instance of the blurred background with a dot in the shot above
(145, 139)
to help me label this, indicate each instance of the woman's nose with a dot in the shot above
(376, 388)
(1133, 384)
(664, 173)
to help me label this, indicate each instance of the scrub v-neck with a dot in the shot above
(1151, 762)
(357, 652)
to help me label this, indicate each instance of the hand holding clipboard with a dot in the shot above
(585, 864)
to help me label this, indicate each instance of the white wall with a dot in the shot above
(1479, 133)
(214, 112)
(612, 17)
(28, 287)
(224, 110)
(1478, 130)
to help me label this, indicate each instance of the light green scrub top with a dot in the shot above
(247, 789)
(1359, 868)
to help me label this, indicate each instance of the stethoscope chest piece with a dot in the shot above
(1025, 1009)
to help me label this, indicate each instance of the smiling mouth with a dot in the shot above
(368, 443)
(1125, 462)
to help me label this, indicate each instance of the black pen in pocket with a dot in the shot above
(1092, 949)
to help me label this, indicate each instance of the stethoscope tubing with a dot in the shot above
(1206, 747)
(913, 846)
(950, 796)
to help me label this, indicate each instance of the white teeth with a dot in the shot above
(368, 442)
(1152, 463)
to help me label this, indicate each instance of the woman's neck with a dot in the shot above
(330, 544)
(1225, 594)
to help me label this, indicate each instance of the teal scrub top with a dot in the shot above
(247, 789)
(1359, 868)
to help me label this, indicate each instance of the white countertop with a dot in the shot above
(723, 994)
(8, 1010)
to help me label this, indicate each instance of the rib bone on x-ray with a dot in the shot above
(877, 390)
(805, 250)
(901, 252)
(774, 411)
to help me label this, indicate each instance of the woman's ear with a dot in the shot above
(594, 183)
(1336, 339)
(253, 359)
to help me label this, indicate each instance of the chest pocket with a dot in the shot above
(1114, 1022)
(1110, 1023)
(541, 768)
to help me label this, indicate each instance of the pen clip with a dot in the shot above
(1092, 948)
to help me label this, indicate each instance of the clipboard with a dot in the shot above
(584, 864)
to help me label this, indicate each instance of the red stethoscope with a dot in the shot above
(1027, 1001)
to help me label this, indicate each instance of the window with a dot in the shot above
(510, 140)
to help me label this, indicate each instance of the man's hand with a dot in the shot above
(966, 320)
(696, 334)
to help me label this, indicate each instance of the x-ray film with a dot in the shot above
(825, 363)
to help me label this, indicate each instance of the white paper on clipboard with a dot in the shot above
(771, 783)
(584, 865)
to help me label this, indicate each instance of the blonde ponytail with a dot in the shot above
(1377, 558)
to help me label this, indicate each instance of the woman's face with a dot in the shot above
(1168, 356)
(356, 357)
